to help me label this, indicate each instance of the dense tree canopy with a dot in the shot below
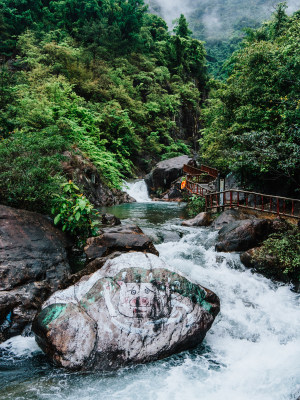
(252, 121)
(101, 76)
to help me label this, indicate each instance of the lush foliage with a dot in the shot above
(252, 121)
(104, 77)
(30, 170)
(284, 248)
(220, 24)
(74, 213)
(196, 205)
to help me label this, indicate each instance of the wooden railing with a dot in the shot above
(197, 188)
(204, 169)
(281, 206)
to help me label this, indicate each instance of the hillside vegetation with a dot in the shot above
(103, 78)
(252, 120)
(220, 24)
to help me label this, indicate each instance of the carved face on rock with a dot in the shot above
(139, 300)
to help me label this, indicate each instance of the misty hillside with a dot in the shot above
(220, 23)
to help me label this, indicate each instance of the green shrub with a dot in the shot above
(74, 213)
(284, 248)
(30, 170)
(196, 205)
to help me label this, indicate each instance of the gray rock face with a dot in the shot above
(121, 238)
(164, 173)
(228, 217)
(110, 219)
(84, 173)
(134, 310)
(243, 235)
(33, 262)
(202, 219)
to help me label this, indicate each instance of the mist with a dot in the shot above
(171, 9)
(210, 13)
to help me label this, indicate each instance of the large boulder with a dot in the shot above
(134, 310)
(243, 235)
(110, 219)
(121, 238)
(267, 266)
(164, 173)
(202, 219)
(229, 216)
(33, 262)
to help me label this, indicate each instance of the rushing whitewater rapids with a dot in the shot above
(252, 351)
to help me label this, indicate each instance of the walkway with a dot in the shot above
(198, 182)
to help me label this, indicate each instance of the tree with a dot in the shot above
(182, 27)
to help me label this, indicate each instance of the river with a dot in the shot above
(252, 351)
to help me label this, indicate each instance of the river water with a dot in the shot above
(252, 351)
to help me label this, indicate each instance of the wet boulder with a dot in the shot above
(267, 265)
(135, 309)
(243, 235)
(164, 173)
(110, 219)
(33, 262)
(121, 238)
(202, 219)
(229, 216)
(174, 193)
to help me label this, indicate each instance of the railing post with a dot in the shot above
(270, 204)
(277, 206)
(262, 203)
(283, 206)
(238, 199)
(292, 207)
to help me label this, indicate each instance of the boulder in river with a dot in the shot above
(33, 262)
(164, 173)
(229, 216)
(121, 238)
(243, 235)
(202, 219)
(110, 219)
(268, 266)
(135, 309)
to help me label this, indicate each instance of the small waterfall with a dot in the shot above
(138, 190)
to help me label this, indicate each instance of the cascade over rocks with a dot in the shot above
(164, 173)
(33, 262)
(135, 309)
(121, 238)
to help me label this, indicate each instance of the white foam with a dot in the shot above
(20, 346)
(138, 190)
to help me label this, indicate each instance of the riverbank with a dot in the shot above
(251, 352)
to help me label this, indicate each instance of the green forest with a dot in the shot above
(220, 24)
(105, 78)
